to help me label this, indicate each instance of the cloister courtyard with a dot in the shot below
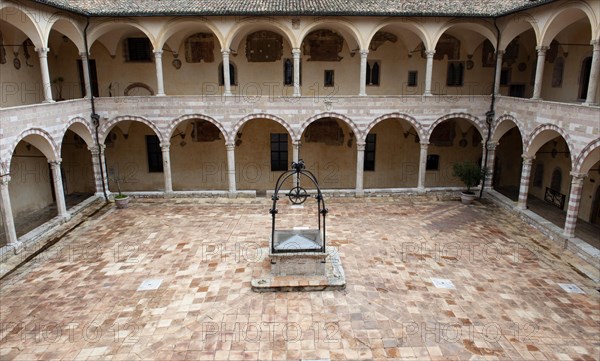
(169, 279)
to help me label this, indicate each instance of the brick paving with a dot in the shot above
(80, 300)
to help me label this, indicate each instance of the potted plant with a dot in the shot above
(470, 174)
(120, 199)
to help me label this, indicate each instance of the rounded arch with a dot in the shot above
(515, 25)
(589, 156)
(23, 20)
(175, 122)
(246, 119)
(541, 135)
(412, 121)
(503, 124)
(250, 25)
(106, 128)
(566, 15)
(68, 27)
(478, 123)
(357, 133)
(82, 128)
(409, 25)
(188, 27)
(345, 28)
(478, 26)
(40, 139)
(105, 26)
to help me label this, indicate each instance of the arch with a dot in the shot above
(67, 27)
(517, 25)
(105, 129)
(189, 27)
(479, 124)
(82, 128)
(407, 24)
(412, 121)
(541, 135)
(503, 125)
(344, 27)
(40, 139)
(477, 26)
(23, 20)
(175, 122)
(357, 133)
(564, 16)
(106, 26)
(250, 25)
(244, 120)
(589, 156)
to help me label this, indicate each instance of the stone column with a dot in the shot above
(7, 215)
(296, 54)
(86, 75)
(574, 201)
(428, 71)
(231, 169)
(59, 192)
(422, 167)
(498, 72)
(360, 169)
(525, 176)
(96, 164)
(46, 83)
(166, 157)
(226, 75)
(103, 165)
(363, 73)
(594, 74)
(539, 72)
(489, 177)
(160, 87)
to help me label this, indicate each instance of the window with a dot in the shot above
(556, 180)
(504, 77)
(455, 73)
(138, 49)
(369, 163)
(288, 72)
(433, 162)
(328, 78)
(232, 74)
(584, 79)
(373, 70)
(412, 77)
(538, 176)
(279, 152)
(155, 161)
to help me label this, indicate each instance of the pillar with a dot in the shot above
(231, 169)
(500, 54)
(160, 87)
(226, 75)
(7, 215)
(360, 168)
(363, 73)
(539, 72)
(428, 71)
(166, 157)
(46, 83)
(86, 75)
(525, 175)
(489, 176)
(296, 55)
(59, 192)
(422, 166)
(594, 74)
(96, 164)
(574, 201)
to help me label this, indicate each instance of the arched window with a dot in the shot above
(584, 78)
(372, 77)
(556, 179)
(538, 176)
(232, 74)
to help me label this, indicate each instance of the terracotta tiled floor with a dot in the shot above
(80, 299)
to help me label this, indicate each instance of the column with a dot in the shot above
(96, 164)
(295, 157)
(594, 74)
(43, 54)
(489, 177)
(539, 71)
(103, 165)
(59, 192)
(360, 169)
(7, 216)
(574, 201)
(525, 175)
(422, 166)
(500, 54)
(428, 71)
(166, 156)
(363, 73)
(226, 76)
(231, 169)
(296, 54)
(86, 75)
(160, 87)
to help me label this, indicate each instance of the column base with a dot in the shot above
(64, 217)
(522, 206)
(17, 247)
(591, 104)
(421, 190)
(359, 193)
(160, 95)
(232, 195)
(569, 234)
(227, 94)
(427, 94)
(49, 101)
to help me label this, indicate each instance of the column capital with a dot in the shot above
(364, 53)
(296, 52)
(158, 53)
(4, 179)
(500, 53)
(43, 52)
(165, 146)
(94, 150)
(225, 52)
(360, 146)
(528, 158)
(595, 44)
(491, 145)
(578, 177)
(83, 55)
(296, 143)
(55, 162)
(424, 144)
(230, 147)
(430, 53)
(542, 49)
